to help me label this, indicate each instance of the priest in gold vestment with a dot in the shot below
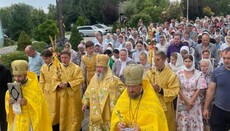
(47, 72)
(166, 85)
(34, 115)
(101, 95)
(138, 108)
(88, 63)
(67, 83)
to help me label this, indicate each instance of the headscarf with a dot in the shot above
(192, 67)
(210, 66)
(178, 65)
(184, 48)
(123, 63)
(81, 45)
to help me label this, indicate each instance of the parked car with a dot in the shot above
(106, 28)
(90, 30)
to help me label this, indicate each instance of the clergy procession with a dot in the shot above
(172, 76)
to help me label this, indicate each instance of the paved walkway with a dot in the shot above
(4, 50)
(85, 121)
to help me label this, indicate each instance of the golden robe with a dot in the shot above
(35, 113)
(102, 96)
(168, 81)
(71, 114)
(88, 66)
(150, 115)
(46, 74)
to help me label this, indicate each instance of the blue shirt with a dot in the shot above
(221, 76)
(35, 63)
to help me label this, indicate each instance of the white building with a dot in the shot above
(1, 34)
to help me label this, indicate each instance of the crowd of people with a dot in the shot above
(157, 77)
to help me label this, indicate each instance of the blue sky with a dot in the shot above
(35, 3)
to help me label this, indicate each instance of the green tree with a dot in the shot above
(109, 13)
(70, 11)
(20, 20)
(52, 13)
(207, 11)
(46, 29)
(129, 8)
(81, 21)
(23, 41)
(38, 16)
(174, 10)
(75, 37)
(5, 16)
(135, 18)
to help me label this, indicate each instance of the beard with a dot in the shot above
(100, 76)
(134, 95)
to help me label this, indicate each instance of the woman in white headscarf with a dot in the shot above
(120, 64)
(176, 62)
(184, 51)
(206, 68)
(129, 48)
(139, 48)
(189, 109)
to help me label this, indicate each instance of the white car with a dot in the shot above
(90, 30)
(106, 28)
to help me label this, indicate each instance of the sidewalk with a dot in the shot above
(8, 49)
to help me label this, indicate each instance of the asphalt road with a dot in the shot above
(4, 50)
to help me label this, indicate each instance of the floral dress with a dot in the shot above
(190, 120)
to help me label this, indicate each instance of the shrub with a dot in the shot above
(46, 29)
(23, 41)
(208, 11)
(8, 42)
(81, 21)
(75, 38)
(135, 18)
(7, 59)
(39, 45)
(116, 26)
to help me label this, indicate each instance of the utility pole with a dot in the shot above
(187, 9)
(60, 21)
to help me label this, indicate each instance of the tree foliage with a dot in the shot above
(39, 46)
(81, 21)
(149, 10)
(75, 37)
(52, 12)
(174, 10)
(200, 8)
(207, 11)
(7, 59)
(129, 8)
(44, 30)
(5, 16)
(20, 20)
(23, 41)
(135, 18)
(38, 16)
